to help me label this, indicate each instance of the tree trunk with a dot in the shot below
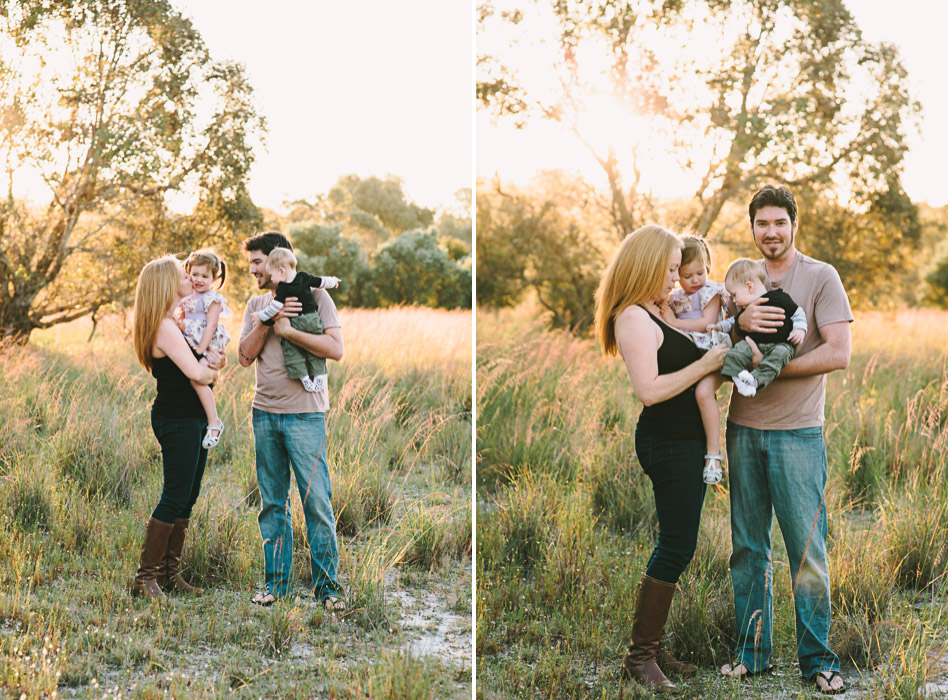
(16, 325)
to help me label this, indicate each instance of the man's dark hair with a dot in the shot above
(773, 196)
(265, 242)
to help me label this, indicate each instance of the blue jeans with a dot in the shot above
(297, 440)
(182, 461)
(674, 468)
(782, 472)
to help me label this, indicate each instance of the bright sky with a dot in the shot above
(915, 28)
(367, 87)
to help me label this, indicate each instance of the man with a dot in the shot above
(289, 430)
(777, 455)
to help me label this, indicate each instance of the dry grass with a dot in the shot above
(80, 469)
(566, 519)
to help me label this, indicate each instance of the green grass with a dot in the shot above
(566, 521)
(80, 472)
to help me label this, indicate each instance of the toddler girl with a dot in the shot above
(198, 317)
(699, 304)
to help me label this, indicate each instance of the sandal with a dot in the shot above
(713, 473)
(263, 598)
(334, 604)
(827, 677)
(211, 440)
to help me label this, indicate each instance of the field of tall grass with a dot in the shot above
(565, 522)
(80, 472)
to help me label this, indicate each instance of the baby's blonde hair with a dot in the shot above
(745, 270)
(281, 257)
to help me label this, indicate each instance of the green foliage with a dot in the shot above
(937, 281)
(544, 240)
(385, 249)
(873, 251)
(100, 99)
(413, 269)
(323, 250)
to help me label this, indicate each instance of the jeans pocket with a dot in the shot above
(815, 433)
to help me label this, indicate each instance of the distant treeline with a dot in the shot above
(554, 238)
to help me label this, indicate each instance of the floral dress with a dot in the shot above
(691, 306)
(192, 313)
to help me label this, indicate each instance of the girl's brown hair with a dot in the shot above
(635, 275)
(211, 261)
(695, 248)
(157, 284)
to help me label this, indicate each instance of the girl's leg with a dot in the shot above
(206, 395)
(705, 394)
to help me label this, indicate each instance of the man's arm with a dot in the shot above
(252, 343)
(832, 355)
(328, 344)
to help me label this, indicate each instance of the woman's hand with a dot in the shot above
(215, 359)
(715, 357)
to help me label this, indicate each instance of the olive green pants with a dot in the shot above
(300, 363)
(776, 357)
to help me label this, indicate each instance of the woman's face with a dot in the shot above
(184, 286)
(671, 275)
(693, 276)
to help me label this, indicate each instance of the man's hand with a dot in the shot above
(292, 308)
(758, 318)
(796, 337)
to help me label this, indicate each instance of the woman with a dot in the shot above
(664, 365)
(177, 419)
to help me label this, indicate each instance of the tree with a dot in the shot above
(456, 222)
(371, 210)
(789, 92)
(323, 250)
(412, 269)
(542, 240)
(873, 251)
(116, 107)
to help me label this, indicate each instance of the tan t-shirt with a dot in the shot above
(788, 404)
(275, 392)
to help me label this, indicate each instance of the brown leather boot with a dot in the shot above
(669, 663)
(153, 551)
(651, 612)
(168, 576)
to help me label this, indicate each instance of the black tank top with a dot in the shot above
(677, 417)
(176, 397)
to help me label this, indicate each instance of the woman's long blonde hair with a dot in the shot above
(154, 295)
(635, 275)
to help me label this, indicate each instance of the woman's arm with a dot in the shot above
(172, 344)
(638, 340)
(708, 316)
(213, 317)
